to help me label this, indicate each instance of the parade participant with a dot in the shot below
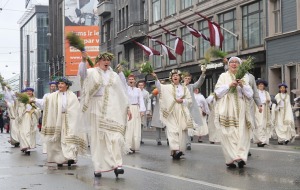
(147, 102)
(284, 119)
(233, 114)
(213, 133)
(137, 109)
(61, 125)
(194, 109)
(1, 120)
(28, 116)
(105, 103)
(175, 100)
(204, 111)
(262, 130)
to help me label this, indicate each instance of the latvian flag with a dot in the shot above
(149, 51)
(164, 47)
(179, 48)
(195, 32)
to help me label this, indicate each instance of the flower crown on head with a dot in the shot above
(64, 80)
(106, 55)
(174, 71)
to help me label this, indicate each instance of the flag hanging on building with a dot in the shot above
(149, 51)
(215, 35)
(179, 48)
(167, 51)
(194, 32)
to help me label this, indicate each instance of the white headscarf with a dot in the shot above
(231, 58)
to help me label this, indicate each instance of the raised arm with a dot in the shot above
(82, 68)
(201, 79)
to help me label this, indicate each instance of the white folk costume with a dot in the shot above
(136, 106)
(156, 122)
(105, 103)
(204, 111)
(263, 129)
(284, 119)
(61, 128)
(214, 134)
(233, 119)
(175, 116)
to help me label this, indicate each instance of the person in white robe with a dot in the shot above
(263, 127)
(213, 133)
(28, 116)
(175, 101)
(137, 109)
(62, 125)
(104, 101)
(204, 112)
(284, 119)
(147, 102)
(194, 109)
(232, 115)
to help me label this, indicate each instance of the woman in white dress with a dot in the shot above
(175, 100)
(213, 133)
(284, 120)
(232, 115)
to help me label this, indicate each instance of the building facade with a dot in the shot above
(282, 43)
(121, 21)
(34, 70)
(246, 19)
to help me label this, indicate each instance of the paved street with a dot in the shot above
(273, 167)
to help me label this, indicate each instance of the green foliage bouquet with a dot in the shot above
(146, 68)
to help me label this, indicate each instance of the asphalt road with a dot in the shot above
(272, 167)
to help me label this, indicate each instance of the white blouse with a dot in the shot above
(201, 102)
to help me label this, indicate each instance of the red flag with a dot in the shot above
(149, 51)
(216, 37)
(194, 32)
(179, 48)
(167, 51)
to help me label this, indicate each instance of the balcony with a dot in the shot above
(105, 7)
(132, 31)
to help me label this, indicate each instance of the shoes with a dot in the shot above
(27, 152)
(17, 145)
(286, 142)
(200, 141)
(261, 144)
(232, 165)
(241, 163)
(142, 142)
(249, 154)
(132, 151)
(168, 142)
(192, 138)
(70, 162)
(118, 171)
(97, 174)
(280, 143)
(159, 143)
(59, 165)
(176, 155)
(188, 147)
(212, 142)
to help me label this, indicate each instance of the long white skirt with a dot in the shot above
(106, 146)
(175, 133)
(27, 135)
(59, 151)
(200, 130)
(133, 130)
(262, 131)
(284, 131)
(214, 134)
(14, 132)
(235, 141)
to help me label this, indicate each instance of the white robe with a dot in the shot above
(214, 134)
(203, 109)
(105, 102)
(233, 118)
(147, 102)
(284, 120)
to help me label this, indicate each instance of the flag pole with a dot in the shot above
(194, 47)
(235, 35)
(164, 44)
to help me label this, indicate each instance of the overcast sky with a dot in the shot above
(10, 36)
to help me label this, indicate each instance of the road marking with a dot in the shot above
(182, 178)
(259, 149)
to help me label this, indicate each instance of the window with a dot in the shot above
(156, 12)
(123, 18)
(171, 43)
(277, 16)
(120, 20)
(188, 53)
(157, 60)
(105, 32)
(227, 20)
(253, 25)
(127, 17)
(186, 4)
(170, 7)
(203, 44)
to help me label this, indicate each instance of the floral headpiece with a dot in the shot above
(174, 71)
(64, 80)
(105, 55)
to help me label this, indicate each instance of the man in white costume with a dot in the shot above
(194, 110)
(137, 109)
(233, 117)
(105, 103)
(147, 102)
(213, 133)
(204, 111)
(263, 128)
(62, 125)
(175, 101)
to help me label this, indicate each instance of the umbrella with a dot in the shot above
(296, 91)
